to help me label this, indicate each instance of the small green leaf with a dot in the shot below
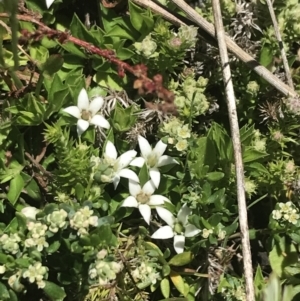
(15, 189)
(266, 56)
(52, 65)
(282, 255)
(215, 176)
(53, 247)
(181, 259)
(165, 287)
(178, 282)
(54, 292)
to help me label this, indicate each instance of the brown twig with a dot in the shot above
(235, 133)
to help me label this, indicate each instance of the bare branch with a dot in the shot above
(235, 133)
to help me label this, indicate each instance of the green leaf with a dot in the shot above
(4, 294)
(181, 259)
(216, 196)
(282, 255)
(123, 119)
(54, 292)
(53, 247)
(139, 19)
(52, 65)
(259, 280)
(80, 31)
(266, 56)
(251, 154)
(165, 287)
(144, 175)
(22, 221)
(15, 189)
(178, 282)
(215, 176)
(166, 270)
(272, 292)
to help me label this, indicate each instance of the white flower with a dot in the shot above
(179, 227)
(49, 3)
(153, 158)
(119, 164)
(86, 112)
(143, 198)
(30, 212)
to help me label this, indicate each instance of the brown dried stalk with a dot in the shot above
(235, 133)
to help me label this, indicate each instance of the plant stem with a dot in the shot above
(239, 168)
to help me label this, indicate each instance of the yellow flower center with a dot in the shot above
(178, 228)
(143, 198)
(152, 160)
(85, 115)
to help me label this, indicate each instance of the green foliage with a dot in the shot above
(91, 210)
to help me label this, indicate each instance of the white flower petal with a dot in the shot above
(166, 160)
(160, 148)
(164, 232)
(82, 126)
(148, 188)
(179, 241)
(110, 150)
(139, 162)
(116, 181)
(155, 176)
(100, 121)
(134, 188)
(183, 214)
(83, 100)
(145, 147)
(30, 212)
(126, 158)
(129, 174)
(49, 3)
(166, 216)
(74, 111)
(157, 199)
(130, 202)
(145, 211)
(95, 105)
(191, 230)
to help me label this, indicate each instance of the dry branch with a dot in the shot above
(235, 133)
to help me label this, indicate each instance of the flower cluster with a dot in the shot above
(57, 220)
(147, 47)
(36, 236)
(104, 269)
(286, 212)
(83, 219)
(145, 272)
(190, 99)
(10, 243)
(36, 273)
(177, 133)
